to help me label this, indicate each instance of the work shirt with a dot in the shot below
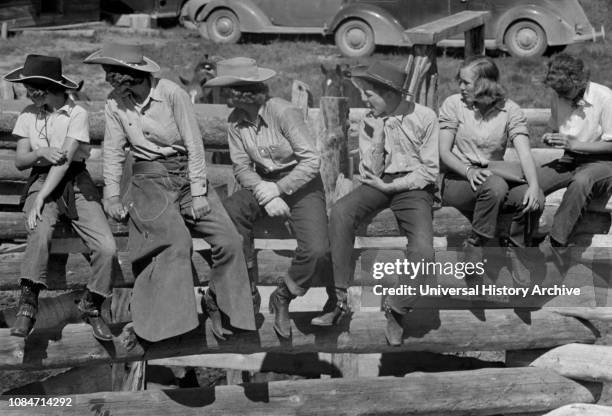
(278, 140)
(482, 138)
(163, 125)
(590, 120)
(46, 129)
(403, 143)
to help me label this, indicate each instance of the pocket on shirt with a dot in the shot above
(281, 152)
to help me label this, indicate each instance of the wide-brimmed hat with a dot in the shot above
(41, 68)
(119, 54)
(382, 73)
(239, 71)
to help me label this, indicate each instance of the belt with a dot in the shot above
(175, 164)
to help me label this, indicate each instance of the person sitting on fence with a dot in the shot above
(475, 127)
(54, 143)
(276, 162)
(581, 121)
(398, 146)
(168, 195)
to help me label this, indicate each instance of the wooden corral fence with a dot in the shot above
(549, 360)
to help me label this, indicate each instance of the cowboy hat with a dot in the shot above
(128, 56)
(381, 73)
(41, 68)
(239, 71)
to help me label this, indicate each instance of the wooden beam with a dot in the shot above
(578, 361)
(516, 390)
(581, 409)
(475, 42)
(433, 32)
(424, 330)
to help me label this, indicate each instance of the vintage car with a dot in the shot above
(524, 28)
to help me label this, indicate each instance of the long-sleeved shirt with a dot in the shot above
(590, 120)
(403, 143)
(481, 138)
(163, 125)
(277, 140)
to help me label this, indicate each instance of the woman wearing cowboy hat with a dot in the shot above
(276, 162)
(54, 143)
(168, 195)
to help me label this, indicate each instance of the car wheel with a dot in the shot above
(355, 38)
(223, 26)
(526, 39)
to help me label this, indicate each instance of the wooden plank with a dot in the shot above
(446, 393)
(577, 361)
(424, 330)
(301, 97)
(475, 42)
(433, 32)
(581, 409)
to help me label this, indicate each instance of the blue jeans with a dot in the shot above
(91, 226)
(413, 211)
(160, 245)
(584, 178)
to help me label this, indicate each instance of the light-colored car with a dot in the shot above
(524, 28)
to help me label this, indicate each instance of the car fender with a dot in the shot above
(251, 18)
(558, 30)
(387, 29)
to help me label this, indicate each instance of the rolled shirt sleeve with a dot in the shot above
(302, 142)
(517, 122)
(241, 161)
(448, 113)
(113, 153)
(78, 129)
(187, 124)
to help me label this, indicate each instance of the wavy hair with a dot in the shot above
(566, 73)
(488, 90)
(118, 75)
(255, 93)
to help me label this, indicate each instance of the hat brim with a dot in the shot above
(17, 76)
(97, 58)
(363, 74)
(263, 74)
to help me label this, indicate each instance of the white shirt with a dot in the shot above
(590, 120)
(46, 129)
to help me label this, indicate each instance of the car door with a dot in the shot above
(411, 13)
(299, 13)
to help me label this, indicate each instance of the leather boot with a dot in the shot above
(394, 329)
(90, 307)
(209, 304)
(26, 310)
(335, 309)
(279, 306)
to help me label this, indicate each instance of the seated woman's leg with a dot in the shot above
(229, 279)
(34, 269)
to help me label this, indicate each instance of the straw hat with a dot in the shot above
(128, 56)
(41, 68)
(239, 71)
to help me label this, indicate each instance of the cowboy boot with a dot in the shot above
(335, 309)
(394, 329)
(279, 306)
(209, 303)
(90, 307)
(26, 309)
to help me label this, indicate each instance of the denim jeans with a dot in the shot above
(493, 201)
(413, 211)
(308, 223)
(160, 245)
(584, 177)
(91, 226)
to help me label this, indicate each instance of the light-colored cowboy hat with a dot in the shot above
(119, 54)
(41, 68)
(239, 71)
(381, 73)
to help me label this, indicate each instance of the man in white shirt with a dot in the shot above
(581, 123)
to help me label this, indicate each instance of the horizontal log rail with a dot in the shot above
(433, 32)
(475, 392)
(424, 330)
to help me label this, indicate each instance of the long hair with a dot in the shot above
(255, 93)
(487, 88)
(566, 73)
